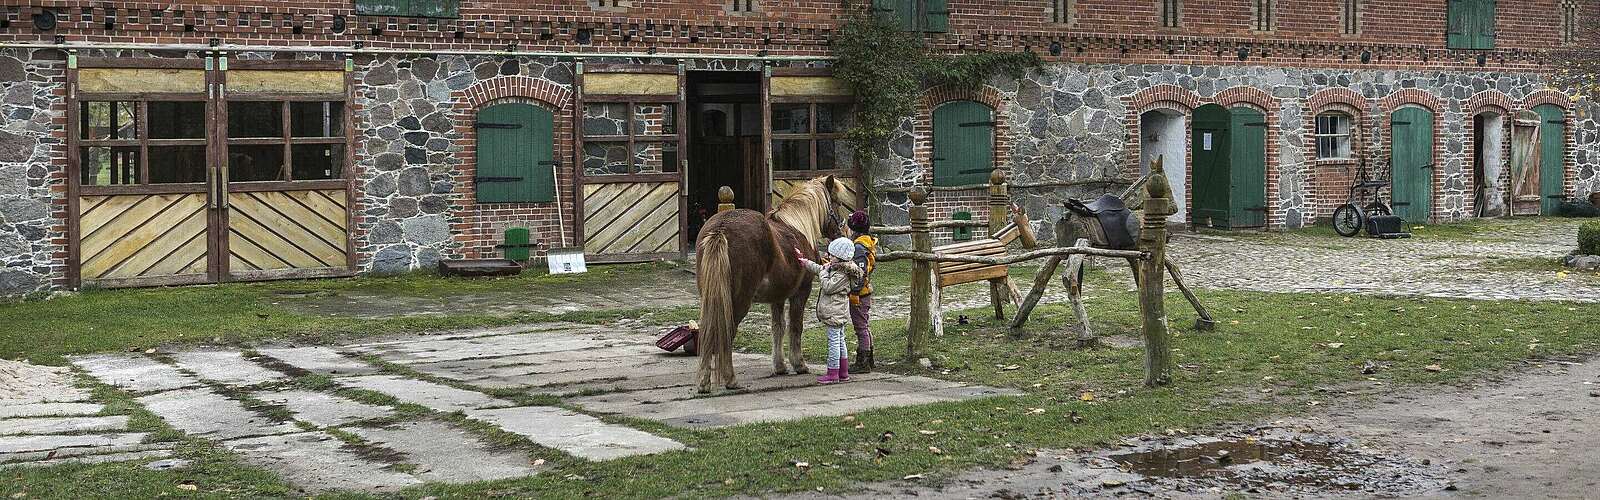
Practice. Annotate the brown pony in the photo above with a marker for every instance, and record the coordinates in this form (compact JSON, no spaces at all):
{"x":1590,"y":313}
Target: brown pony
{"x":745,"y":257}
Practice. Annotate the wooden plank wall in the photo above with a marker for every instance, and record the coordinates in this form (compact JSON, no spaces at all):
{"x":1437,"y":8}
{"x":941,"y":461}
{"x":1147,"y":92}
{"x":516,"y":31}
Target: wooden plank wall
{"x":286,"y":230}
{"x":136,"y":236}
{"x":627,"y":218}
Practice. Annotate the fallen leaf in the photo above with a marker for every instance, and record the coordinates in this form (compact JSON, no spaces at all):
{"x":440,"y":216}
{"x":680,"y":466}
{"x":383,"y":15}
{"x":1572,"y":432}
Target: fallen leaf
{"x":19,"y":494}
{"x":1035,"y":411}
{"x":849,"y":418}
{"x":1433,"y":368}
{"x":188,"y":487}
{"x":926,"y":432}
{"x":728,"y":481}
{"x":1087,"y":396}
{"x":538,"y":462}
{"x":802,"y":465}
{"x":1011,"y":367}
{"x":1335,"y":345}
{"x":911,"y":477}
{"x":936,"y":421}
{"x":935,"y":450}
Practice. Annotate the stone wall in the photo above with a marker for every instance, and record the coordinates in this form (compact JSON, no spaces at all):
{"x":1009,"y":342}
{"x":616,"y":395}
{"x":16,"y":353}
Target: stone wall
{"x":1070,"y":122}
{"x":32,"y":229}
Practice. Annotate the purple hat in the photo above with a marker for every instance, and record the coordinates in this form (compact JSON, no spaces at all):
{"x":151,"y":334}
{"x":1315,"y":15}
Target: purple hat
{"x":858,"y":222}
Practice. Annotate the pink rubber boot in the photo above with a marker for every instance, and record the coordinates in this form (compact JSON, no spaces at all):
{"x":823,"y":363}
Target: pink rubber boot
{"x":844,"y":370}
{"x":831,"y":378}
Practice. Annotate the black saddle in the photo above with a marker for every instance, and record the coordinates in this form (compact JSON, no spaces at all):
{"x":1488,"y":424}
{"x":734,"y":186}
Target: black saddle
{"x":1114,"y":218}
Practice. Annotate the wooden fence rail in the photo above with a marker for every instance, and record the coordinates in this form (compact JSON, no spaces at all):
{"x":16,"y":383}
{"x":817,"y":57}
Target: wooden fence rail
{"x":892,"y":255}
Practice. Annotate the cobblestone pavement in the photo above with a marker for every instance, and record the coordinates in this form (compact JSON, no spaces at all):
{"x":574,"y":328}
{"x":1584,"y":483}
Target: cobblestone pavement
{"x":1499,"y":262}
{"x":241,"y":399}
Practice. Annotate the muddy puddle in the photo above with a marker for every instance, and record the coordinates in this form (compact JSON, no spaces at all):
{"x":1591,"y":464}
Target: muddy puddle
{"x":1267,"y":461}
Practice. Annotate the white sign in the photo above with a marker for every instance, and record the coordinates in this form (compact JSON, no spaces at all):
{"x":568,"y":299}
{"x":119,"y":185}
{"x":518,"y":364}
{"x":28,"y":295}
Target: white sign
{"x":1206,"y":139}
{"x":566,"y":262}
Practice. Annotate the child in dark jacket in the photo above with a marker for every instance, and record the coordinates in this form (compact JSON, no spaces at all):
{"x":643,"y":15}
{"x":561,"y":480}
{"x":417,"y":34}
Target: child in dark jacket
{"x":861,"y":297}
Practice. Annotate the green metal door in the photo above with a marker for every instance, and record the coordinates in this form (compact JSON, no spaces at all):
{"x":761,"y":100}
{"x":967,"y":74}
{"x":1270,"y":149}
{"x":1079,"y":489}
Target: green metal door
{"x":1552,"y":157}
{"x":1411,"y":163}
{"x":1247,"y":193}
{"x":963,"y":143}
{"x":514,"y":162}
{"x":1210,"y":182}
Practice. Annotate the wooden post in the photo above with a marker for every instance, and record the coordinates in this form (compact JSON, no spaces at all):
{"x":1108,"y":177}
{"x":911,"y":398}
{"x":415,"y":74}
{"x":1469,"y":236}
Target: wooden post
{"x":999,"y":214}
{"x":922,"y":285}
{"x":725,"y":199}
{"x":1153,"y":240}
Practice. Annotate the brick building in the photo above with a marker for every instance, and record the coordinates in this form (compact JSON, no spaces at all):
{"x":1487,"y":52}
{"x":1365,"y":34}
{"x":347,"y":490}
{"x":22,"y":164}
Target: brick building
{"x":147,"y":143}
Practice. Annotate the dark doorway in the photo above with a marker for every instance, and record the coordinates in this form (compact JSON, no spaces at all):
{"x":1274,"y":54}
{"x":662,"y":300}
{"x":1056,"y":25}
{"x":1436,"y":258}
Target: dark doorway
{"x":725,"y":131}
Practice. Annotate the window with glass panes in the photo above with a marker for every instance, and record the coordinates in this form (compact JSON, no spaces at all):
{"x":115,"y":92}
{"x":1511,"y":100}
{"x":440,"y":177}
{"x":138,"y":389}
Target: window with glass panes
{"x":1333,"y":136}
{"x":141,"y":142}
{"x":810,"y":136}
{"x":273,"y":140}
{"x":629,"y":137}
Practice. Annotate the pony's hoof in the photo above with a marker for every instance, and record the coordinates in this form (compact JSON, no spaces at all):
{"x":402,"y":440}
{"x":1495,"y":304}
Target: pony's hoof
{"x":780,"y":372}
{"x":802,"y":369}
{"x":704,"y":390}
{"x":733,"y":386}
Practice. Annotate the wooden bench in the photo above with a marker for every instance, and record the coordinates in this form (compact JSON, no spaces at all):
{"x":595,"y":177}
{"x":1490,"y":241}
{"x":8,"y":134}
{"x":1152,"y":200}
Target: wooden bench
{"x":1001,"y":289}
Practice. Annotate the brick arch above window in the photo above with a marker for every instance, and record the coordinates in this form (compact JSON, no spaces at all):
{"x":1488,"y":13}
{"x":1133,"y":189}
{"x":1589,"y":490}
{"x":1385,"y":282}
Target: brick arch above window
{"x":1489,"y":100}
{"x":1547,"y":96}
{"x":934,"y":97}
{"x":550,"y":93}
{"x":1337,"y":95}
{"x":1148,"y":99}
{"x":1411,"y":96}
{"x":1255,"y":97}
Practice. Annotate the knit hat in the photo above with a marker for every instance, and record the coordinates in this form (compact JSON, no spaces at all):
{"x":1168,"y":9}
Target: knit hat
{"x":842,"y":249}
{"x":858,"y":222}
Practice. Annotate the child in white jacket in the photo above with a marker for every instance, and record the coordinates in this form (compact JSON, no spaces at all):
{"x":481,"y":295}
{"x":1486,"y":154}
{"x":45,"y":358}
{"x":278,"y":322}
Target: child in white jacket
{"x":836,"y":278}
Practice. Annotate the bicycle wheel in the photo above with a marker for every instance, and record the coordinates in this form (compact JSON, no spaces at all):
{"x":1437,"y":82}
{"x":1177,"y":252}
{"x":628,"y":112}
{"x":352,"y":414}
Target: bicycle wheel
{"x":1347,"y":220}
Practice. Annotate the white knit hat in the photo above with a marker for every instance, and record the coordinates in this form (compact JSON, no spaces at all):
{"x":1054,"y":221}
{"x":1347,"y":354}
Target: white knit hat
{"x":842,"y":249}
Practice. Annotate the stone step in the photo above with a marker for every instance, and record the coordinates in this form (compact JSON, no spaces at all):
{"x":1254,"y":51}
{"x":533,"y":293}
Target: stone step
{"x":22,"y":444}
{"x":686,"y":390}
{"x":437,"y":397}
{"x":203,"y":413}
{"x":322,"y":409}
{"x":788,"y":398}
{"x":468,"y":365}
{"x":317,"y":462}
{"x":322,"y":360}
{"x":444,"y":453}
{"x":61,"y":425}
{"x":486,"y":347}
{"x":132,"y":372}
{"x":576,"y":434}
{"x":93,"y":459}
{"x":830,"y":408}
{"x":50,"y":410}
{"x":227,"y":367}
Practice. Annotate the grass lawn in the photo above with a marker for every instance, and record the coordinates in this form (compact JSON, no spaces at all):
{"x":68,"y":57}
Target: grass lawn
{"x":240,"y":313}
{"x":1271,"y":354}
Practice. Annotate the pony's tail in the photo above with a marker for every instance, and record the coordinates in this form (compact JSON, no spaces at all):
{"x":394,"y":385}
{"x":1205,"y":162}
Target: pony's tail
{"x":714,"y":278}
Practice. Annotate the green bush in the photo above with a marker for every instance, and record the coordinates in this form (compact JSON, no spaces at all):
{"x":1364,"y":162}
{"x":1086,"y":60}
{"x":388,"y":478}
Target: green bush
{"x":1589,"y":238}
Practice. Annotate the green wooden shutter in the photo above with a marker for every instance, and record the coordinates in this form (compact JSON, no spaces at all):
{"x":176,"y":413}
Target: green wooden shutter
{"x":515,"y":160}
{"x":902,"y":13}
{"x":963,"y":143}
{"x":1411,"y":161}
{"x":1210,"y":146}
{"x":936,"y":16}
{"x":1247,"y":192}
{"x":409,"y":8}
{"x":1552,"y":157}
{"x":1470,"y":24}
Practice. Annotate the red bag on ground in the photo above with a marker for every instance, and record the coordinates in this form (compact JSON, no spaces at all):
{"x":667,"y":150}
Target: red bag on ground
{"x":683,"y":336}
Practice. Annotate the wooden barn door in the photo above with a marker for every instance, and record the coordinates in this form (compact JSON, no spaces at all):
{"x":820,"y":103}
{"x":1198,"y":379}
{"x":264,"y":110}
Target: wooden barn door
{"x":1211,"y":146}
{"x":1411,"y":161}
{"x":284,"y":189}
{"x":631,"y":169}
{"x":140,"y":144}
{"x":1247,"y":187}
{"x":1552,"y":157}
{"x":808,"y":112}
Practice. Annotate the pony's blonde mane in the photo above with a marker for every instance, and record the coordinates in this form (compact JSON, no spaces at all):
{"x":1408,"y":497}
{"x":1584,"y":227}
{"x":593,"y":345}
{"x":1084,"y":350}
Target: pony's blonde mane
{"x":805,"y":209}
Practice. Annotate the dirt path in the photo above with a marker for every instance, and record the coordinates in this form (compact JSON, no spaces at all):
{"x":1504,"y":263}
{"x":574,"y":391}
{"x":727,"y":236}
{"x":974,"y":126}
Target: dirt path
{"x":1530,"y":435}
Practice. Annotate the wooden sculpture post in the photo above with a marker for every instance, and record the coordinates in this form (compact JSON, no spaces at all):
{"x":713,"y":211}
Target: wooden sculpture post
{"x":1153,"y":240}
{"x":922,"y":317}
{"x":724,"y":199}
{"x":999,"y":214}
